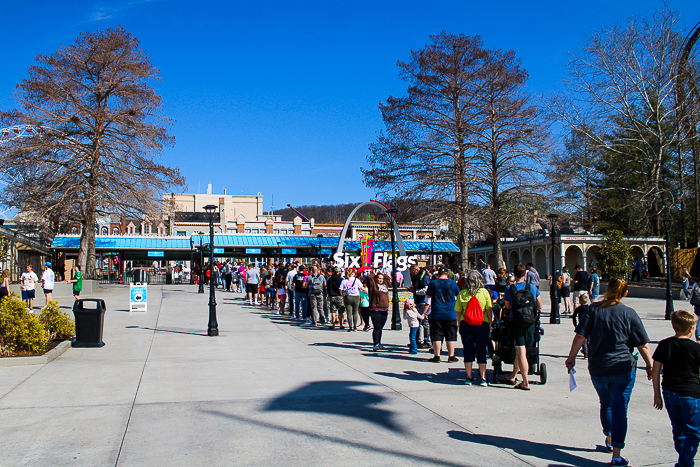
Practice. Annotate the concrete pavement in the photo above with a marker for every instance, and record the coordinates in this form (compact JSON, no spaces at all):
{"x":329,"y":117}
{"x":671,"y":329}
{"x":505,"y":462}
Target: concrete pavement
{"x":268,"y":391}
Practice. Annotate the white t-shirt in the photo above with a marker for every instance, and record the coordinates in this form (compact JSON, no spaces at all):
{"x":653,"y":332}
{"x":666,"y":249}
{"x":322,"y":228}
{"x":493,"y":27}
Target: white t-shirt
{"x":48,"y":277}
{"x":29,"y":280}
{"x":351,"y":287}
{"x":489,"y":276}
{"x":290,"y":276}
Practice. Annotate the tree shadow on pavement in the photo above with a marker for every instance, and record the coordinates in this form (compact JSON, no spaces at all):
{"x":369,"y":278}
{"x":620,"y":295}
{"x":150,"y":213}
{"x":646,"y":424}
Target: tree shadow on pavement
{"x":552,"y":452}
{"x":452,"y":377}
{"x":314,"y":397}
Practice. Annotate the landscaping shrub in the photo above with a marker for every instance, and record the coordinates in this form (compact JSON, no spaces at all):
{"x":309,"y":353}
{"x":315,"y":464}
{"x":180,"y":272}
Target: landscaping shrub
{"x":58,"y":324}
{"x":20,"y":331}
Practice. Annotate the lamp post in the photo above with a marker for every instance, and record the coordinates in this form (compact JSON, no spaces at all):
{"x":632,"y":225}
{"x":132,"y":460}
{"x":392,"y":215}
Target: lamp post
{"x":432,"y":249}
{"x":395,"y":316}
{"x":201,"y":263}
{"x":213,"y":328}
{"x":319,"y":236}
{"x":279,"y":252}
{"x":669,"y":297}
{"x":554,"y":292}
{"x":191,"y":260}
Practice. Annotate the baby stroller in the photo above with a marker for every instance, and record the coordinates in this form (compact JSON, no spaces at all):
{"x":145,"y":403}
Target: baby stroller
{"x":504,"y":350}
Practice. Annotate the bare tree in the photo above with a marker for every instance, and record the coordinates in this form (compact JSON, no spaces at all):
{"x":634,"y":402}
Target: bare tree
{"x":621,"y":99}
{"x":465,"y":127}
{"x":98,"y":126}
{"x":511,"y":145}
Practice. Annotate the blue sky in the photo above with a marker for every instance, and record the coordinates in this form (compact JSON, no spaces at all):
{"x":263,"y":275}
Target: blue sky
{"x":282,"y":97}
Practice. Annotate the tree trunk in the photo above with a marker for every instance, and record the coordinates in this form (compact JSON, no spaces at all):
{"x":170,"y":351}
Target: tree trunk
{"x":681,"y":191}
{"x":464,"y":240}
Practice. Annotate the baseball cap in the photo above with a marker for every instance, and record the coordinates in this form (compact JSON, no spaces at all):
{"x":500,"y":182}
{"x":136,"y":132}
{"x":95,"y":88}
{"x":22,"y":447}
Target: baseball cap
{"x":47,"y":264}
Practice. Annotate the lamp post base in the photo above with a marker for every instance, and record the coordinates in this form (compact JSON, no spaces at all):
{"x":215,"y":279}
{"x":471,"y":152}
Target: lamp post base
{"x":213,"y":332}
{"x":669,"y":308}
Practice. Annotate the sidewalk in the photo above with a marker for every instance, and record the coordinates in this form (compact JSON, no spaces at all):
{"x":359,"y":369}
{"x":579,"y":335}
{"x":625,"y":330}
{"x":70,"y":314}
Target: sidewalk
{"x":267,"y":391}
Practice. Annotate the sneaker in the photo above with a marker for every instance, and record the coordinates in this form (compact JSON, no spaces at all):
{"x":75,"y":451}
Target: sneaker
{"x":380,"y":346}
{"x":469,"y":381}
{"x":483,"y":383}
{"x":424,"y":345}
{"x":452,"y":359}
{"x":619,"y":461}
{"x":412,"y":353}
{"x":608,"y":446}
{"x":434,"y":360}
{"x":375,"y":348}
{"x":308,"y":320}
{"x":367,"y":328}
{"x":342,"y":327}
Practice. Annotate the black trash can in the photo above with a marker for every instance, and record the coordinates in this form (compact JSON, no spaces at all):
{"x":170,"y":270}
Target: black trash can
{"x":137,"y":275}
{"x":89,"y":322}
{"x":168,"y":277}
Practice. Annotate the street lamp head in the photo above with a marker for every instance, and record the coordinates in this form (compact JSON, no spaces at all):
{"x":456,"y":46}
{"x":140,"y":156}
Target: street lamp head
{"x":553,"y":217}
{"x":319,"y":235}
{"x":392,"y":211}
{"x":210,"y":208}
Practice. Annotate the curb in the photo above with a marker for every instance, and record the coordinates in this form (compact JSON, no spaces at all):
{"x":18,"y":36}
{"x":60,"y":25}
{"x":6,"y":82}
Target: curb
{"x":49,"y":356}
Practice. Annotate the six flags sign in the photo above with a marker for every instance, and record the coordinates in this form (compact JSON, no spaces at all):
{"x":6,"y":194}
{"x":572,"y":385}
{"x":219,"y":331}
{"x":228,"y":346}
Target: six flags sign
{"x":368,"y":257}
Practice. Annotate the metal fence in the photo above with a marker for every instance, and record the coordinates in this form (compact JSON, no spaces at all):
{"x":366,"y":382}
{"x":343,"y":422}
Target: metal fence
{"x":139,"y":275}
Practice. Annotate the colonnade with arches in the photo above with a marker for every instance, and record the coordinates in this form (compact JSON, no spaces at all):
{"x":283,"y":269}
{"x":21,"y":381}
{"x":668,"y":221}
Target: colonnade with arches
{"x":577,"y":249}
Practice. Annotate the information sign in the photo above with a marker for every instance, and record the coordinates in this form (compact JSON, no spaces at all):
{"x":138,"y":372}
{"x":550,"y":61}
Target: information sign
{"x":218,"y":251}
{"x":138,"y":297}
{"x":156,"y":253}
{"x":289,"y":251}
{"x":252,"y":251}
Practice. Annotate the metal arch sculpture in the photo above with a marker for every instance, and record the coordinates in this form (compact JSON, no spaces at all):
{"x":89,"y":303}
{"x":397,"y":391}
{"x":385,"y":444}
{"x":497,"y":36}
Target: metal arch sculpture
{"x":372,"y":202}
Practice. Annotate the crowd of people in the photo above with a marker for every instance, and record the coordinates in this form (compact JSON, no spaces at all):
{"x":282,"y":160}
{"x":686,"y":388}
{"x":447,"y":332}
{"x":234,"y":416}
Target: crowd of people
{"x":439,"y":309}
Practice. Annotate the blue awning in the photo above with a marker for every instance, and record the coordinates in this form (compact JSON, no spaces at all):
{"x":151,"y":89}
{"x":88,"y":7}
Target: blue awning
{"x":124,"y":243}
{"x":232,"y":240}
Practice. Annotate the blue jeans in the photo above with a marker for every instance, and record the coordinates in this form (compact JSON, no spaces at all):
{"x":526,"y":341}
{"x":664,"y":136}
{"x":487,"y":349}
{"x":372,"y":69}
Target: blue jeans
{"x":290,"y":300}
{"x":614,"y":393}
{"x":300,"y":302}
{"x":684,"y":413}
{"x":412,"y":334}
{"x":697,"y":312}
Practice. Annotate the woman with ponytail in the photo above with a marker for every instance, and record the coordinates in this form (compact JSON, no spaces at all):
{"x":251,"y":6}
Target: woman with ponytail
{"x":614,"y":331}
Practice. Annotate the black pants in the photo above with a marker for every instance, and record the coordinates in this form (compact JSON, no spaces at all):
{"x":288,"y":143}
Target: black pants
{"x":364,"y":311}
{"x":378,"y":321}
{"x":229,"y":278}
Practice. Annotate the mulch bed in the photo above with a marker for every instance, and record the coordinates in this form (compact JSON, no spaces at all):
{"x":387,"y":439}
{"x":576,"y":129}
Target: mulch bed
{"x":49,"y":346}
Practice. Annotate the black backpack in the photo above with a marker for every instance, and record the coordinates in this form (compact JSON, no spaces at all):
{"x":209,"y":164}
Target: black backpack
{"x":523,"y":306}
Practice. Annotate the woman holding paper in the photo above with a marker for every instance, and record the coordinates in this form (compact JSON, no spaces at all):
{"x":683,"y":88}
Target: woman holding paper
{"x":613,"y":330}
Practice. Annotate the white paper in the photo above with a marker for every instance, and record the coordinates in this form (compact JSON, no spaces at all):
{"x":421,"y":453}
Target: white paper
{"x":572,"y":380}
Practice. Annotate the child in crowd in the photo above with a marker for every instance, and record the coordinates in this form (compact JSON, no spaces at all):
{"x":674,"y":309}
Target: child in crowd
{"x":414,"y":318}
{"x":679,"y":356}
{"x":578,"y":313}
